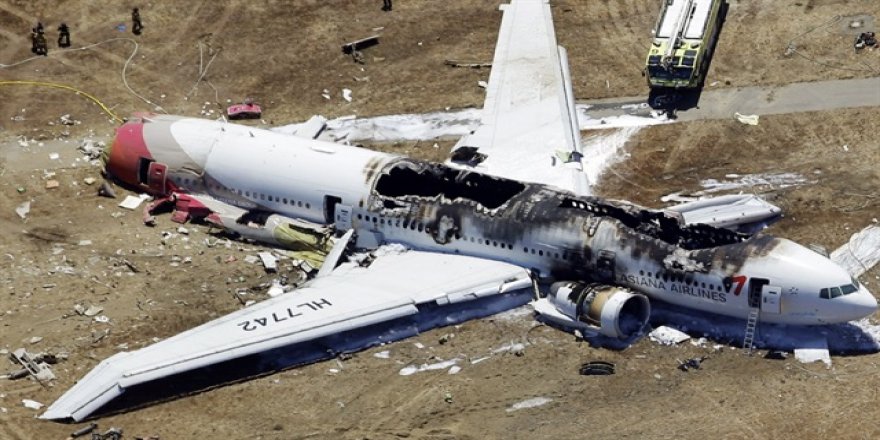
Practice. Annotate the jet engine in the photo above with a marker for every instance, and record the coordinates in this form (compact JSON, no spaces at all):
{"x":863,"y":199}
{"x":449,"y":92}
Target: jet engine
{"x":615,"y":311}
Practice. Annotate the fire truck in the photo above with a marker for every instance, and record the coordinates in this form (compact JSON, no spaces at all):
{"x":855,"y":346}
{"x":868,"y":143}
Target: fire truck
{"x":684,"y":38}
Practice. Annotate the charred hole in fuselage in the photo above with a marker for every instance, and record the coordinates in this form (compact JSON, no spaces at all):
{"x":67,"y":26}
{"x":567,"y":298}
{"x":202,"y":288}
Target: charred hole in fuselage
{"x":407,"y":179}
{"x":658,"y":225}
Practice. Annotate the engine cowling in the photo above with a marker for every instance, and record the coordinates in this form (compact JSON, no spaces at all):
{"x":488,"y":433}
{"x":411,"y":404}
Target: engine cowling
{"x":614,"y":311}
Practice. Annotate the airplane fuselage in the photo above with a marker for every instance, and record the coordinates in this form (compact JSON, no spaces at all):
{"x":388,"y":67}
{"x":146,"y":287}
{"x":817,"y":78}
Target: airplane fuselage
{"x":434,"y":207}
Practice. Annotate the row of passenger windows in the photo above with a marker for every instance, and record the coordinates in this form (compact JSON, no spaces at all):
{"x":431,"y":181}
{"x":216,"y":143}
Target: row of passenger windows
{"x":479,"y":240}
{"x":249,"y":194}
{"x":680,"y":278}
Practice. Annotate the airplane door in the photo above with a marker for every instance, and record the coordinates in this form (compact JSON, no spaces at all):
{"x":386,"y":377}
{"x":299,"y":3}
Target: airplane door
{"x":156,"y":177}
{"x":771,"y":299}
{"x":343,"y":217}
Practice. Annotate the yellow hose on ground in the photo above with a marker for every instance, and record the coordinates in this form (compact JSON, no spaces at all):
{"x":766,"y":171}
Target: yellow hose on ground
{"x":66,"y":87}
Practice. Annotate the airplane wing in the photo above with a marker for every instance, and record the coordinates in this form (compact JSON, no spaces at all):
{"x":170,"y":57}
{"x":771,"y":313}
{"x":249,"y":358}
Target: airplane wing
{"x":529,"y":129}
{"x":398,"y":295}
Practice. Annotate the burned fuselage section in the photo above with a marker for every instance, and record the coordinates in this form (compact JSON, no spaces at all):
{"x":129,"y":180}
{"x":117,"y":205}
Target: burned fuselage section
{"x":559,"y":235}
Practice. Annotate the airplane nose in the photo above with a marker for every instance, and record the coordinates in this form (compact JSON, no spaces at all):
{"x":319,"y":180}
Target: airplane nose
{"x":123,"y":157}
{"x":865,"y":301}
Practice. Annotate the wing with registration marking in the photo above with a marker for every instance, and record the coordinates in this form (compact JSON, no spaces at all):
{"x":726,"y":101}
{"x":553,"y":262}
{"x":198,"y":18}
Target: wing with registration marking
{"x":400,"y":294}
{"x":529,"y":129}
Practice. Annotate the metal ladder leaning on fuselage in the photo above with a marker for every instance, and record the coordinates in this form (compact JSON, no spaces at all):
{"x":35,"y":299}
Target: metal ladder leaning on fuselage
{"x":751,"y":329}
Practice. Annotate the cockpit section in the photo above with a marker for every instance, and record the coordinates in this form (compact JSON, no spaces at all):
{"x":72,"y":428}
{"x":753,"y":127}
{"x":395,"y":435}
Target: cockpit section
{"x":834,"y":292}
{"x":421,"y":179}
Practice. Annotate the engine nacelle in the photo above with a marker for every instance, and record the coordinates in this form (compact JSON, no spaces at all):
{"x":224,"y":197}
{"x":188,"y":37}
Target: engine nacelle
{"x":614,"y":311}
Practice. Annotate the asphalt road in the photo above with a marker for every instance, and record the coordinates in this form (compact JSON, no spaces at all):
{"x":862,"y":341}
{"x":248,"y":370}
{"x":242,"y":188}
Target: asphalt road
{"x":764,"y":100}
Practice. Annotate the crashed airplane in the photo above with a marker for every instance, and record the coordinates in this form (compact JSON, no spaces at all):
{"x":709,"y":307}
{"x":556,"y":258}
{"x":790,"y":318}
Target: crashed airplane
{"x":483,"y":234}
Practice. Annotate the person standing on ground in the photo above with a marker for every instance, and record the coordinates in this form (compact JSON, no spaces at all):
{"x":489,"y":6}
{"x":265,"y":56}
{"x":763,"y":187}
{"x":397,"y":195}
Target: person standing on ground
{"x":63,"y":35}
{"x":41,"y":47}
{"x":386,"y":5}
{"x":136,"y":26}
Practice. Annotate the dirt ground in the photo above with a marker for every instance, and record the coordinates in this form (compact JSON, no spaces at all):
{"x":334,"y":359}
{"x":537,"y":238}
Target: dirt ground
{"x":78,"y":248}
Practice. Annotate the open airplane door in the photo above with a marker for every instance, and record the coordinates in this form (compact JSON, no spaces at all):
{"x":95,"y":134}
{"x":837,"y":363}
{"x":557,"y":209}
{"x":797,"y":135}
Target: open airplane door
{"x":771,"y":299}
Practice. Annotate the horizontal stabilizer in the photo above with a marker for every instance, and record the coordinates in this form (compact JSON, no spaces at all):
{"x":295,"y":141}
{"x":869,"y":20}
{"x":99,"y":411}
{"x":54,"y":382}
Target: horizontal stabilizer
{"x":739,"y":212}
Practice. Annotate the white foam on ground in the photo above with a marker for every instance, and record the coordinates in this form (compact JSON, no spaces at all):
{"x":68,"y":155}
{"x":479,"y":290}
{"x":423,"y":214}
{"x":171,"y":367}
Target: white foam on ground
{"x":529,"y":403}
{"x":413,"y":369}
{"x":861,"y":253}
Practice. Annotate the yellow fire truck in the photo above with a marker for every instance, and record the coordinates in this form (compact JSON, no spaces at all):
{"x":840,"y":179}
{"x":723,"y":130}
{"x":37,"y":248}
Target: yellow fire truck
{"x":683,"y":41}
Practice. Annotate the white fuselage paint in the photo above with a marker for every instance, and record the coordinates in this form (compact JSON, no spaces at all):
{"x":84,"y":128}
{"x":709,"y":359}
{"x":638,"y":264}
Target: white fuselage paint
{"x":254,"y":168}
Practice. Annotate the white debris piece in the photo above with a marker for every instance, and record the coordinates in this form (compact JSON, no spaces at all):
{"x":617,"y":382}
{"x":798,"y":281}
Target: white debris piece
{"x":814,"y":350}
{"x":102,"y":319}
{"x":270,"y":262}
{"x":84,"y":243}
{"x":454,"y":369}
{"x":23,"y":209}
{"x":275,"y":289}
{"x":251,"y":259}
{"x":668,"y":336}
{"x":35,"y":339}
{"x":413,"y":369}
{"x":93,"y":311}
{"x":32,"y":404}
{"x":746,"y":119}
{"x":132,"y":202}
{"x":482,"y":84}
{"x":54,"y":156}
{"x":346,"y":94}
{"x":385,"y":354}
{"x":529,"y":403}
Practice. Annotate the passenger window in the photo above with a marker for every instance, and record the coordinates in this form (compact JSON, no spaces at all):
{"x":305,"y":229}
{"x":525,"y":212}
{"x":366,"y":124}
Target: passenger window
{"x":824,"y":294}
{"x":835,"y":292}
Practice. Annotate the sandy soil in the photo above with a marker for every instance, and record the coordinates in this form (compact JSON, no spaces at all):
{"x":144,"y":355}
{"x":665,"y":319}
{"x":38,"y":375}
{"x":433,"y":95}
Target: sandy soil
{"x":155,"y":282}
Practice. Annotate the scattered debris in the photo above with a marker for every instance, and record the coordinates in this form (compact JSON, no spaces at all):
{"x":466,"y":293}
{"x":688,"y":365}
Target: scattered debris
{"x":54,"y":156}
{"x":35,"y":339}
{"x":454,"y":369}
{"x":412,"y":369}
{"x":23,"y":209}
{"x":84,"y":430}
{"x":107,"y":191}
{"x":482,"y":84}
{"x":251,"y":259}
{"x":132,"y":202}
{"x":346,"y":94}
{"x":668,"y":336}
{"x":246,"y":110}
{"x":270,"y":262}
{"x":93,"y":311}
{"x":52,"y":184}
{"x":596,"y":368}
{"x":33,"y":365}
{"x":32,"y":404}
{"x":692,"y":363}
{"x":89,"y":180}
{"x":776,"y":355}
{"x":385,"y":354}
{"x":471,"y":64}
{"x":358,"y":45}
{"x":866,"y":39}
{"x":746,"y":119}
